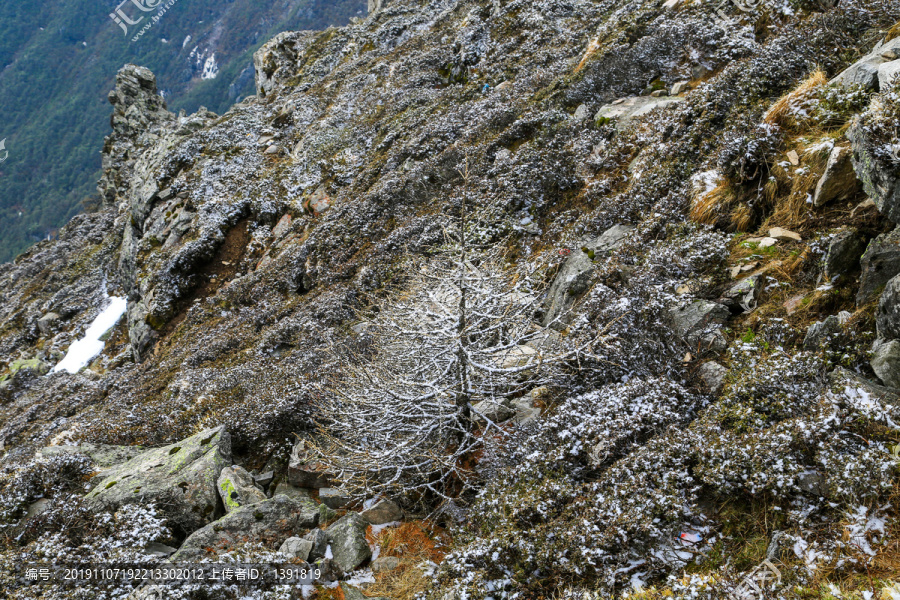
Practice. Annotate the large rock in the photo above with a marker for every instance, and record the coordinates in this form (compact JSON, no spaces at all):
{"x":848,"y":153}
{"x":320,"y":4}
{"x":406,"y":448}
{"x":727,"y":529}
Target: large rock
{"x":349,"y":547}
{"x":699,"y":324}
{"x":268,"y":523}
{"x":237,"y":488}
{"x":576,"y":275}
{"x":879,"y":174}
{"x":305,"y":470}
{"x":180,"y":479}
{"x":865,"y":71}
{"x":844,"y":252}
{"x":886,"y":363}
{"x":880,"y":264}
{"x":820,"y":332}
{"x":624,"y":111}
{"x":295,"y":547}
{"x":887,"y":318}
{"x":839,"y":180}
{"x":319,"y":540}
{"x":333,"y":498}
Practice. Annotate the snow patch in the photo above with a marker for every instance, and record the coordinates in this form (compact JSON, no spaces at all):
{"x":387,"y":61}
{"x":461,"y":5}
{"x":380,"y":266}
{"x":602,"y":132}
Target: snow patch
{"x":84,"y":350}
{"x":210,"y":68}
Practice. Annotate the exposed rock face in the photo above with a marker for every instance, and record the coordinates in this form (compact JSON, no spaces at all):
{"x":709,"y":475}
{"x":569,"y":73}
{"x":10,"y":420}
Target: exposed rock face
{"x":347,"y":537}
{"x":839,"y":180}
{"x":879,"y":176}
{"x":575,"y":276}
{"x":626,"y":110}
{"x":880,"y":263}
{"x":888,"y":316}
{"x":179,"y":478}
{"x":237,"y":488}
{"x":844,"y":252}
{"x":865,"y":71}
{"x":269,"y":523}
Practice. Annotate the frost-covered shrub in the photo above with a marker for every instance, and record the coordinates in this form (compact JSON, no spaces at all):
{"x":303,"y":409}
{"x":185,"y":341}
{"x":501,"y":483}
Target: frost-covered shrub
{"x":745,"y":155}
{"x":40,"y":479}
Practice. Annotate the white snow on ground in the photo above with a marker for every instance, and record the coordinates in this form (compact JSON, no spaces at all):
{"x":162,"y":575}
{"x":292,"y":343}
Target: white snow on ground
{"x":210,"y":68}
{"x":84,"y":350}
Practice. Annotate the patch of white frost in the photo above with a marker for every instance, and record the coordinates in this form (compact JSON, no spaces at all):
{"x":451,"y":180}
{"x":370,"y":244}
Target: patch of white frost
{"x":210,"y":68}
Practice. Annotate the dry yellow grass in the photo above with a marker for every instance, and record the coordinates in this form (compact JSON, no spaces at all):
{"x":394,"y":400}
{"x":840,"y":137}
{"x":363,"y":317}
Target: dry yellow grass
{"x":783,"y":112}
{"x":413,"y":543}
{"x":711,"y":207}
{"x":893,"y":32}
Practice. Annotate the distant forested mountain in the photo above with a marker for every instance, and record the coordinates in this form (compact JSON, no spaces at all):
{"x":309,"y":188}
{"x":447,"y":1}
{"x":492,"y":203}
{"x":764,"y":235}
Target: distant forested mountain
{"x":58,"y":60}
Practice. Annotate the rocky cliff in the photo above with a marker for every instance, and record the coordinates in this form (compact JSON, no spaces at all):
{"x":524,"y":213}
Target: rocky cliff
{"x":709,"y":193}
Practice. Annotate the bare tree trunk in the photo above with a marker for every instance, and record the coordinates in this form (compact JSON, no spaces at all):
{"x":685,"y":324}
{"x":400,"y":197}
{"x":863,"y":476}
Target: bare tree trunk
{"x":462,"y":396}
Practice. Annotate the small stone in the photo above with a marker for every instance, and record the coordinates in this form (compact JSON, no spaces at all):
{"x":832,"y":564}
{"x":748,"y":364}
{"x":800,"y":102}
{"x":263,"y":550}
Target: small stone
{"x":273,"y":149}
{"x":305,"y":469}
{"x":493,"y":410}
{"x":680,"y":87}
{"x":743,"y":296}
{"x":264,"y":479}
{"x":384,"y":511}
{"x":784,"y":235}
{"x":285,"y":489}
{"x":295,"y":547}
{"x":659,"y":93}
{"x":383,"y":564}
{"x":839,"y":180}
{"x":581,"y":113}
{"x":793,"y":157}
{"x":886,"y":363}
{"x":161,"y":550}
{"x":333,"y":498}
{"x":713,"y":376}
{"x":700,"y":71}
{"x":767,"y":242}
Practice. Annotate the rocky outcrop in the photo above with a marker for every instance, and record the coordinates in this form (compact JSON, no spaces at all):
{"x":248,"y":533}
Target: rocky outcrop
{"x":865,"y":72}
{"x":268,"y":523}
{"x":887,"y":318}
{"x":844,"y":252}
{"x":575,"y":276}
{"x":625,"y":110}
{"x":179,"y":478}
{"x":877,"y":172}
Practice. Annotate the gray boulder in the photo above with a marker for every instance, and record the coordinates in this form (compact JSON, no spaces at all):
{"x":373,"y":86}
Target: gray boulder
{"x":237,"y":488}
{"x":179,"y":478}
{"x":880,"y":264}
{"x":699,"y":324}
{"x":383,"y":511}
{"x":319,"y":541}
{"x":844,"y":252}
{"x":887,"y":318}
{"x":820,"y":332}
{"x":865,"y":71}
{"x":295,"y":547}
{"x":286,"y":489}
{"x":333,"y":498}
{"x":886,"y":363}
{"x":624,"y":111}
{"x":305,"y":469}
{"x":267,"y":523}
{"x":713,"y":376}
{"x":349,"y":547}
{"x":576,"y":275}
{"x":839,"y":180}
{"x":48,"y":322}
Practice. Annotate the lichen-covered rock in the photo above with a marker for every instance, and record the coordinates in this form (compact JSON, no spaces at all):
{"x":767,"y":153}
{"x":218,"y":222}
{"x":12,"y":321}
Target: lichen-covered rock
{"x":237,"y":488}
{"x":347,"y":537}
{"x":880,"y":263}
{"x":268,"y":523}
{"x":180,"y":478}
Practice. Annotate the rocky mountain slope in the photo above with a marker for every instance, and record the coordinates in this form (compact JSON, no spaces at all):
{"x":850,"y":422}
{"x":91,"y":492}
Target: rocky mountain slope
{"x":58,"y":60}
{"x":704,"y":201}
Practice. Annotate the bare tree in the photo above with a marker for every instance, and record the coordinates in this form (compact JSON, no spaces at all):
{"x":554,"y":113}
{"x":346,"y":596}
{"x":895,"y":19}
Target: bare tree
{"x":409,"y":415}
